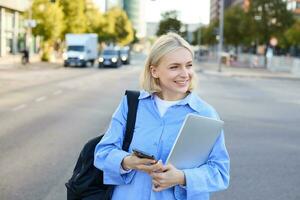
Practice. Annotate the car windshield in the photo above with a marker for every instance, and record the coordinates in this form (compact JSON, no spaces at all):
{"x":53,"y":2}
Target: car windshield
{"x":76,"y":48}
{"x":124,"y":52}
{"x":110,"y":52}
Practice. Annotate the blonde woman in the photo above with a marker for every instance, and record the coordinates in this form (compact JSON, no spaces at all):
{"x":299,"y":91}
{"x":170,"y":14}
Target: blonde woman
{"x":167,"y":97}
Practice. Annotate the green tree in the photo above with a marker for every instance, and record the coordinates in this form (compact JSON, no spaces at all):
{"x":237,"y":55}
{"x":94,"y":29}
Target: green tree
{"x":293,"y":34}
{"x":207,"y":34}
{"x":94,"y":18}
{"x":49,"y":19}
{"x":237,"y":27}
{"x":169,"y":23}
{"x":74,"y":16}
{"x":118,"y":28}
{"x":270,"y":18}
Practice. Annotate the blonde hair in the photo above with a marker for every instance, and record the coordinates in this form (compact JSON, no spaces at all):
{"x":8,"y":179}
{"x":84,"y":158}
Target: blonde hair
{"x":162,"y":46}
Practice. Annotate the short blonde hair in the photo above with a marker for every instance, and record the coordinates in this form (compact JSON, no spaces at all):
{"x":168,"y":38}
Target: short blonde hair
{"x":162,"y":46}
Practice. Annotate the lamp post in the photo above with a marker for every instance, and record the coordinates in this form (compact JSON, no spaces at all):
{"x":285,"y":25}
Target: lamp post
{"x":221,"y":32}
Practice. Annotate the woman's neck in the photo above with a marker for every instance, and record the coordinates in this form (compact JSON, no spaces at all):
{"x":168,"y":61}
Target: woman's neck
{"x":168,"y":97}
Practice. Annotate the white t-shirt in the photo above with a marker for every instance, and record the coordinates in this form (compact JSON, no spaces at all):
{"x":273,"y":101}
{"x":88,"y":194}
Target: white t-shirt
{"x":163,"y":105}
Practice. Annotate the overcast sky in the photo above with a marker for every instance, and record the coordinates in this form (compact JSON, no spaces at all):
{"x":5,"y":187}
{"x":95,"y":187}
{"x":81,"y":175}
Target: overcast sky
{"x":190,"y":11}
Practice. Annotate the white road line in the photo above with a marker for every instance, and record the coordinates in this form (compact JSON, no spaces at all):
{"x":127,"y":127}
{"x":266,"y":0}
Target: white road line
{"x":19,"y":107}
{"x":57,"y":92}
{"x":40,"y":99}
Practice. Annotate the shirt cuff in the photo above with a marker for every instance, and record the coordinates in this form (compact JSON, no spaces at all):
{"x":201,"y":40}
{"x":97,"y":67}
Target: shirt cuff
{"x":111,"y":170}
{"x":180,"y":192}
{"x":123,"y":171}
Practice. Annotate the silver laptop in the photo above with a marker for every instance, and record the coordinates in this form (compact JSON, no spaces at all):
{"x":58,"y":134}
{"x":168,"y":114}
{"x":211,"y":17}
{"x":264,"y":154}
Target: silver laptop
{"x":195,"y":141}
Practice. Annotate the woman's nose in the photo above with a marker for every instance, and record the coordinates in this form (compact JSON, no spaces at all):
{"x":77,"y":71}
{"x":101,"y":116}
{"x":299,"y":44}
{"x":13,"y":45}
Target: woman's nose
{"x":184,"y":72}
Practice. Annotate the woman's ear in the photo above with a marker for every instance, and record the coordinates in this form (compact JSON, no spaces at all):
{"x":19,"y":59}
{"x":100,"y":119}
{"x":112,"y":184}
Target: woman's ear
{"x":153,"y":71}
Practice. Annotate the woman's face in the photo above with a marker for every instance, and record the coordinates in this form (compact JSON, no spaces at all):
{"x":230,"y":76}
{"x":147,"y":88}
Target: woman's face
{"x":175,"y":73}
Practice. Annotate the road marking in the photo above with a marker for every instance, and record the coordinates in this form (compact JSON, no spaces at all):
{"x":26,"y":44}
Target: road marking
{"x":57,"y":92}
{"x":19,"y":107}
{"x":40,"y":99}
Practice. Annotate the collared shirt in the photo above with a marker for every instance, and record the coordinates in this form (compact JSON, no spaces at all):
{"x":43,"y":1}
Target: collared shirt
{"x":155,"y":135}
{"x":163,"y":105}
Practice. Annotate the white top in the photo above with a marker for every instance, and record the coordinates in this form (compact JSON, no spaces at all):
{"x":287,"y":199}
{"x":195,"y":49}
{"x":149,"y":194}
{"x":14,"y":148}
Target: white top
{"x":163,"y":105}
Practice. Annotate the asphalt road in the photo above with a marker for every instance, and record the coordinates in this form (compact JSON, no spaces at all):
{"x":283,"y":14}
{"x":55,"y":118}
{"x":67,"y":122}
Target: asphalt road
{"x":43,"y":128}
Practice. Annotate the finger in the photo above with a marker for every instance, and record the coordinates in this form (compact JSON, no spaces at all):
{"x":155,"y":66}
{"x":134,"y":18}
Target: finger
{"x":155,"y":182}
{"x":145,"y":168}
{"x":158,"y":188}
{"x":158,"y":167}
{"x":157,"y":176}
{"x":146,"y":161}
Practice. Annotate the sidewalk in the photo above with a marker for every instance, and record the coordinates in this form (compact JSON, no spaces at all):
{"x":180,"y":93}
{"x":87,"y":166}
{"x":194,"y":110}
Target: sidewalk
{"x":14,"y":75}
{"x":211,"y":68}
{"x":13,"y":62}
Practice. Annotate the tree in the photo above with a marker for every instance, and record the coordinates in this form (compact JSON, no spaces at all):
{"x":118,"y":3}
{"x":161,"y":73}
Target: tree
{"x":170,"y":23}
{"x":49,"y":18}
{"x":94,"y":18}
{"x":293,"y":34}
{"x":74,"y":16}
{"x":118,"y":28}
{"x":237,"y":27}
{"x":207,"y":34}
{"x":270,"y":18}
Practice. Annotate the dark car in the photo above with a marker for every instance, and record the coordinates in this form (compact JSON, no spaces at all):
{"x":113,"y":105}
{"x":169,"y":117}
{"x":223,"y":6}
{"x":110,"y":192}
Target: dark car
{"x":110,"y":57}
{"x":125,"y":55}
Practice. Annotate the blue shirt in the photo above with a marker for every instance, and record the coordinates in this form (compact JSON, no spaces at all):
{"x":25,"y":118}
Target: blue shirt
{"x":155,"y":134}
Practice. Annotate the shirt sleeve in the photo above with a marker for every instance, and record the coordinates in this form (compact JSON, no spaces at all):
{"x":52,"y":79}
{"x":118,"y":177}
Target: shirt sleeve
{"x":209,"y":177}
{"x":108,"y":152}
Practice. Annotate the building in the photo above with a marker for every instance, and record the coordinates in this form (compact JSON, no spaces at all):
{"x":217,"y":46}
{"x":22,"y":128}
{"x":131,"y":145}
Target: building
{"x":134,"y":10}
{"x":294,"y":6}
{"x":243,"y":3}
{"x":215,"y":8}
{"x":12,"y":32}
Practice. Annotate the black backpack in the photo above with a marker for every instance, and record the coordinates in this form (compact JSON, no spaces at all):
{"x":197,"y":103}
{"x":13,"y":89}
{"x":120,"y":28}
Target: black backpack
{"x":87,"y":180}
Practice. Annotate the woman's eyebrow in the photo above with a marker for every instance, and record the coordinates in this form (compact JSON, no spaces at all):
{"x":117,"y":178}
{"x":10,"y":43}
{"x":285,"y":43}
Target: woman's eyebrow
{"x":175,"y":63}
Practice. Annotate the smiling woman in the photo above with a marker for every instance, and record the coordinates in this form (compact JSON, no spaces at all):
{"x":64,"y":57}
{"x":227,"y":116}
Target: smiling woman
{"x":168,"y":81}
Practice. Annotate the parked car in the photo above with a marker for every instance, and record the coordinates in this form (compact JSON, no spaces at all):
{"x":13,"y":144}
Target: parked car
{"x":110,"y":57}
{"x":125,"y":55}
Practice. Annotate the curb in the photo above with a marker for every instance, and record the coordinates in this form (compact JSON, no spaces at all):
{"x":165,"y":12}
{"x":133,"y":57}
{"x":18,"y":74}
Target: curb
{"x":230,"y":74}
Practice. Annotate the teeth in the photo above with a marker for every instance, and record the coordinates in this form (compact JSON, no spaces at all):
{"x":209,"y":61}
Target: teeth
{"x":181,"y":81}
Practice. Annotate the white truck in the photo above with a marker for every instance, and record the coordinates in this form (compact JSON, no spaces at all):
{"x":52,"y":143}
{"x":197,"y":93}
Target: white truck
{"x":82,"y":49}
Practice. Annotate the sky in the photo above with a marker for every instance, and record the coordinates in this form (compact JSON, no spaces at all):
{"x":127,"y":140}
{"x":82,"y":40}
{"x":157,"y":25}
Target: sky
{"x":190,"y":11}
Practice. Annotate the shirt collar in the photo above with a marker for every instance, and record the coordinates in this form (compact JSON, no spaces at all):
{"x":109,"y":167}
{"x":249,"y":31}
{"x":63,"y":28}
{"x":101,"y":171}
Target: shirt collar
{"x":191,"y":99}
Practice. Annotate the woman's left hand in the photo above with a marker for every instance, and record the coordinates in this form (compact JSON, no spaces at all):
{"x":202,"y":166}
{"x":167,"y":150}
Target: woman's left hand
{"x":167,"y":177}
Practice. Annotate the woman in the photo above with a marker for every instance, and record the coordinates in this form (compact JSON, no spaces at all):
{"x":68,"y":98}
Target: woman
{"x":168,"y":81}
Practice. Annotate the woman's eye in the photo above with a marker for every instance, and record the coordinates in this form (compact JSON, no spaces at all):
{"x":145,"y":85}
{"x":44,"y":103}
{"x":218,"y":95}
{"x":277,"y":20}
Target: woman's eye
{"x":189,"y":66}
{"x":173,"y":67}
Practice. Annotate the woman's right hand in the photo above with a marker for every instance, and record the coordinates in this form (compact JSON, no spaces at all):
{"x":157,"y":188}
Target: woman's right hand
{"x":143,"y":164}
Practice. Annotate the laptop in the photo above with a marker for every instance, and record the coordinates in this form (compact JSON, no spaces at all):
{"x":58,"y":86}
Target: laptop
{"x":195,"y":141}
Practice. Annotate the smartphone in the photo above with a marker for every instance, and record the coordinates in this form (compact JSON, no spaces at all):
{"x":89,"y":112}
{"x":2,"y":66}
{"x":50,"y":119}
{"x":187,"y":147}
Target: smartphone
{"x":142,"y":154}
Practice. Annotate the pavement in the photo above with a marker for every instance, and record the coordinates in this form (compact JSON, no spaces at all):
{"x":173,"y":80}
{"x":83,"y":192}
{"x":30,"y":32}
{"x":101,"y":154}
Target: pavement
{"x":211,"y":68}
{"x":14,"y":75}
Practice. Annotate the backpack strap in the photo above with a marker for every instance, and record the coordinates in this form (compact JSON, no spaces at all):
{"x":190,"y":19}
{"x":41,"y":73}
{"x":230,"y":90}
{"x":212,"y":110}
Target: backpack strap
{"x":132,"y":102}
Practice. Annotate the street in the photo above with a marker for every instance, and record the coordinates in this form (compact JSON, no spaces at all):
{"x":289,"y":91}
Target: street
{"x":44,"y":126}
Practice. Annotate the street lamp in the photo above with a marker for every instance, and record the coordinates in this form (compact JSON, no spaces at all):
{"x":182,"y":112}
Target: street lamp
{"x":221,"y":32}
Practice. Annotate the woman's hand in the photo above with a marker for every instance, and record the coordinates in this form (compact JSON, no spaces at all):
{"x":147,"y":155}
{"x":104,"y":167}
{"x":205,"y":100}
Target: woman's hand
{"x":167,"y":177}
{"x":143,"y":164}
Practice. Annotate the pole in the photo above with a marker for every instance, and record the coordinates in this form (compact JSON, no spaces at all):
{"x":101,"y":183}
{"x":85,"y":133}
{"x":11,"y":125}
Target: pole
{"x":199,"y":43}
{"x":221,"y":33}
